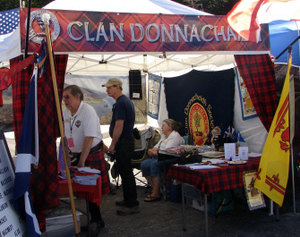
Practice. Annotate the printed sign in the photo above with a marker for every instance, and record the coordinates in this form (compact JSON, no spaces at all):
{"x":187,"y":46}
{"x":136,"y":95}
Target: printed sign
{"x":76,"y":31}
{"x":248,"y":110}
{"x":154,"y":87}
{"x":255,"y":197}
{"x":229,"y":149}
{"x":10,"y":223}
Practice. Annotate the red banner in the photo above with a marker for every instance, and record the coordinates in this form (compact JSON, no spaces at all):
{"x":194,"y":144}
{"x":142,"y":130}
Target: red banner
{"x":74,"y":31}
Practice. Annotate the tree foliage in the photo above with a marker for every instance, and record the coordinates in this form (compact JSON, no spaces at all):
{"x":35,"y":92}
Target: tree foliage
{"x":217,"y":7}
{"x":11,"y":4}
{"x":6,"y":5}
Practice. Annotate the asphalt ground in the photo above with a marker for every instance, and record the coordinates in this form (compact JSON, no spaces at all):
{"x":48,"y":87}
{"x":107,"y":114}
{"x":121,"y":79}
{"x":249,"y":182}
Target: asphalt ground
{"x":164,"y":218}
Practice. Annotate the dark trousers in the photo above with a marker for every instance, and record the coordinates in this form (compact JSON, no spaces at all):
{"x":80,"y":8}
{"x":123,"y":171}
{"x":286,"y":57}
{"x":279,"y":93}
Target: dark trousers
{"x":124,"y":152}
{"x":95,"y":212}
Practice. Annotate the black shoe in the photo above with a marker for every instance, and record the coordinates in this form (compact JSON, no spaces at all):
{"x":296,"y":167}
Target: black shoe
{"x":125,"y":211}
{"x":101,"y":224}
{"x":112,"y":191}
{"x":121,"y":203}
{"x":95,"y":227}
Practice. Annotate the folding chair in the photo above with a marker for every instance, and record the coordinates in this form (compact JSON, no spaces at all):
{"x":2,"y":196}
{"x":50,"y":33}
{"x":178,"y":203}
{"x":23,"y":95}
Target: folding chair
{"x":148,"y":138}
{"x":140,"y":151}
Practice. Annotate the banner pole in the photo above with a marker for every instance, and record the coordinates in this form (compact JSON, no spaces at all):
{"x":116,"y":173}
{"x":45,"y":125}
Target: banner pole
{"x":27,"y":29}
{"x":288,"y":47}
{"x":46,"y":19}
{"x":292,"y":130}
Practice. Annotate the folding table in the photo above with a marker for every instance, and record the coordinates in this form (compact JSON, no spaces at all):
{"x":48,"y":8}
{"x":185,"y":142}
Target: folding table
{"x":210,"y":180}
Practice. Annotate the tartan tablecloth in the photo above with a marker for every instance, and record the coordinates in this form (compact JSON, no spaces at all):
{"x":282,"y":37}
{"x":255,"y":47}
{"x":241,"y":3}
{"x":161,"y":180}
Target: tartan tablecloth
{"x":213,"y":180}
{"x":94,"y":191}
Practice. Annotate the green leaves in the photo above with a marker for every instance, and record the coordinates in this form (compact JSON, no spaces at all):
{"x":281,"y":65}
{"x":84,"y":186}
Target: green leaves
{"x":217,"y":7}
{"x":11,"y":4}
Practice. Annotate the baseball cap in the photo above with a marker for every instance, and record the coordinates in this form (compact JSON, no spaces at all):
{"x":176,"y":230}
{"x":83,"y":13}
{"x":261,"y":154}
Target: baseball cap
{"x":113,"y":82}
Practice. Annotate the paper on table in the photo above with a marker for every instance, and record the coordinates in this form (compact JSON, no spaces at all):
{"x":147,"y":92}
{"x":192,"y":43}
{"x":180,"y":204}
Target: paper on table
{"x":86,"y":180}
{"x":88,"y":170}
{"x":201,"y":167}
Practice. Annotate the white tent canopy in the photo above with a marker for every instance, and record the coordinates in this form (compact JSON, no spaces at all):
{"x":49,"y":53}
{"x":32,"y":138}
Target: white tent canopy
{"x":163,"y":63}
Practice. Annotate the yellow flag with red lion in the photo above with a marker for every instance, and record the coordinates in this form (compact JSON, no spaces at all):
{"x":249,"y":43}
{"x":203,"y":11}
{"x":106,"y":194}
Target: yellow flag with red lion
{"x":273,"y":171}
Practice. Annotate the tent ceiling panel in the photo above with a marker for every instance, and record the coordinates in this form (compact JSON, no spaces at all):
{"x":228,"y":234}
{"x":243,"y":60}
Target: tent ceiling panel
{"x":154,"y":63}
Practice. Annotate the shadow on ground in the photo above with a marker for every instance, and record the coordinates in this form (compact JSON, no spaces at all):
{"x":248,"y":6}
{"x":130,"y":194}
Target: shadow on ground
{"x":164,"y":218}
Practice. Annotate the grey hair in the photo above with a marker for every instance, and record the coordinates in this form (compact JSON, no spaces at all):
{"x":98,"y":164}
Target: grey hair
{"x":173,"y":124}
{"x":75,"y":90}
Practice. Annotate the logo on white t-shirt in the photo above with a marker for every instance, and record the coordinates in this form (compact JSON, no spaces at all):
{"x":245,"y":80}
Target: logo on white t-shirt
{"x":78,"y":123}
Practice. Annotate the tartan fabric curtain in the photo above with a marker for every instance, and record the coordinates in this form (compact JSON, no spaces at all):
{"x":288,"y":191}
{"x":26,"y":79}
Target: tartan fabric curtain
{"x":44,"y":184}
{"x":258,"y":74}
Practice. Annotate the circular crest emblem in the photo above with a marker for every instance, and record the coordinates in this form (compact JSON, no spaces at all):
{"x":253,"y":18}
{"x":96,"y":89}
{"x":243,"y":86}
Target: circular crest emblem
{"x":78,"y":123}
{"x":37,"y":26}
{"x":198,"y":120}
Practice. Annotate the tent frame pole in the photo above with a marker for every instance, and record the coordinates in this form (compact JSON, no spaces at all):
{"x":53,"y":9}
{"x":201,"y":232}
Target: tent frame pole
{"x":292,"y":129}
{"x":287,"y":48}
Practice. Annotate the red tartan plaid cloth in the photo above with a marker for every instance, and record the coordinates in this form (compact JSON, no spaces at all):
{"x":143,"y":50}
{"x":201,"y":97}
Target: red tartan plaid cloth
{"x":44,"y":183}
{"x":258,"y":74}
{"x":94,"y":191}
{"x":213,"y":180}
{"x":97,"y":161}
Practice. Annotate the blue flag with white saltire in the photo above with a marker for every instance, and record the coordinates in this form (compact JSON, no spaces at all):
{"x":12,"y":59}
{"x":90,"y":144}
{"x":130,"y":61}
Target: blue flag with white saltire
{"x":27,"y":154}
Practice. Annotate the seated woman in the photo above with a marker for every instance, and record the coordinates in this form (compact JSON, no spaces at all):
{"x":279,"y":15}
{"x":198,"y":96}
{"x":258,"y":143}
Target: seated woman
{"x":150,"y":167}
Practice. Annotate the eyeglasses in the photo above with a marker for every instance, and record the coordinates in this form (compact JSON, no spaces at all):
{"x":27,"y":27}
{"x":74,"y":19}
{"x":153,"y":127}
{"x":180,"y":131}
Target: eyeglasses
{"x":66,"y":97}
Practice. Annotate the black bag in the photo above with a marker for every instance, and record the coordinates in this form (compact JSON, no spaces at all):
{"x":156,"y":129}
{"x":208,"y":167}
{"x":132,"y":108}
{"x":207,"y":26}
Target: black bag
{"x":136,"y":134}
{"x":114,"y":171}
{"x":189,"y":158}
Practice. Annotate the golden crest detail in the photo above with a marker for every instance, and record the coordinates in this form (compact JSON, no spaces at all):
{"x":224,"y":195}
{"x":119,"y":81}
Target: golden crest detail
{"x":199,"y":119}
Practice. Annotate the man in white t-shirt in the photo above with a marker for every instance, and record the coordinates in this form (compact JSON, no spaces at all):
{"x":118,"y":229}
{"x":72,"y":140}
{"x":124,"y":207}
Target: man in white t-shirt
{"x":82,"y":130}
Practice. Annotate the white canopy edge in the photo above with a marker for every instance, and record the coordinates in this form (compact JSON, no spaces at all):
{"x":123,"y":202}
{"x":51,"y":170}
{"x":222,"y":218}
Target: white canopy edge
{"x":126,"y":6}
{"x":121,"y":63}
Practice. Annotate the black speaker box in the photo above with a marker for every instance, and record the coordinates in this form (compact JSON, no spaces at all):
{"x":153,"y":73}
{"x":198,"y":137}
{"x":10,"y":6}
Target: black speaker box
{"x":135,"y":85}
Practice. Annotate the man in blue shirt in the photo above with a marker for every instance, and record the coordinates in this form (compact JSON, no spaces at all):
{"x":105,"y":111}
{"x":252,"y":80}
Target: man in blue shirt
{"x":122,"y":144}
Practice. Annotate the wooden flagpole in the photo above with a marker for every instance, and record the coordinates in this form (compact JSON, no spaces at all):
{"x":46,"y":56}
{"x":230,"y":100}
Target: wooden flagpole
{"x":46,"y":19}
